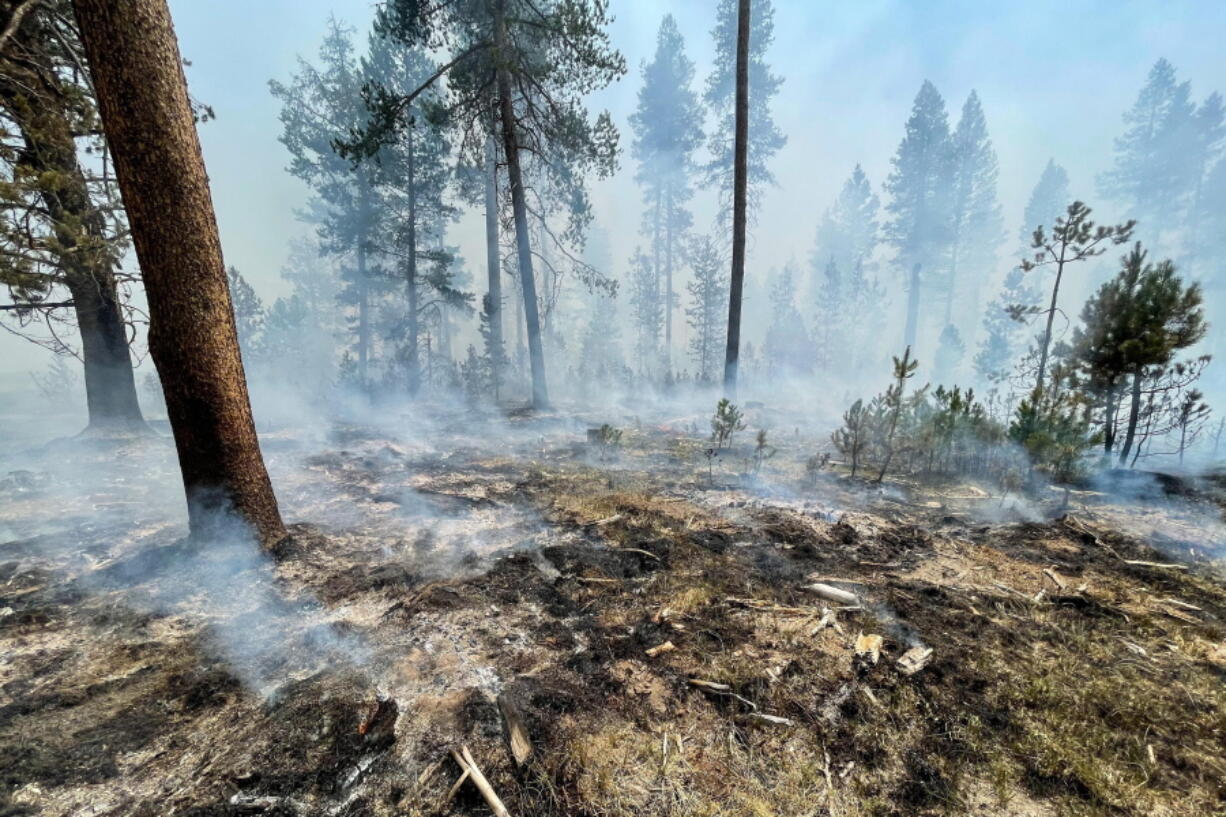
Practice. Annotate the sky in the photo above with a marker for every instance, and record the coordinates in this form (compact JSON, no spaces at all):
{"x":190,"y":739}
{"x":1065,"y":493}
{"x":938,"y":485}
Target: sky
{"x":1054,"y":77}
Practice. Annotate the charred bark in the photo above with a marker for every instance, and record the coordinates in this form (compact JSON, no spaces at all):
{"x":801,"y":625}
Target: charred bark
{"x":492,"y":263}
{"x":142,"y":97}
{"x":740,"y":180}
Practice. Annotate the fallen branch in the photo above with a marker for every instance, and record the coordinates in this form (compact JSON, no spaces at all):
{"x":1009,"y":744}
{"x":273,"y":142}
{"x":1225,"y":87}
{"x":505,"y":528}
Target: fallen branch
{"x":517,"y":732}
{"x":914,"y":660}
{"x":667,"y":646}
{"x":1055,"y":578}
{"x":834,"y":594}
{"x":468,"y":765}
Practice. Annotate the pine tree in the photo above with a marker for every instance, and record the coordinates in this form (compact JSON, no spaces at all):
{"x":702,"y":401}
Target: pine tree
{"x":1003,"y":335}
{"x":975,"y":219}
{"x":788,"y":346}
{"x":517,"y":70}
{"x":708,"y":308}
{"x":1134,"y":326}
{"x":64,"y":230}
{"x":137,"y":72}
{"x":350,"y":209}
{"x":919,"y":185}
{"x":1154,"y":157}
{"x":668,"y":129}
{"x":765,"y":138}
{"x":648,"y":315}
{"x":248,"y":310}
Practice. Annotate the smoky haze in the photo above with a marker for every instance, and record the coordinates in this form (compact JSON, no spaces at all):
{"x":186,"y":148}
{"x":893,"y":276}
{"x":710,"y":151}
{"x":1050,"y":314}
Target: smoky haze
{"x":1054,"y":79}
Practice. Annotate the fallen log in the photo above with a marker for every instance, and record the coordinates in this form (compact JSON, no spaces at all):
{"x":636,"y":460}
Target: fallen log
{"x":834,"y":594}
{"x":517,"y":733}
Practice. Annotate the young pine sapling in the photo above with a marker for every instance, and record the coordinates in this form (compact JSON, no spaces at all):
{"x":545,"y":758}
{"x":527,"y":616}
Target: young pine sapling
{"x":728,"y":420}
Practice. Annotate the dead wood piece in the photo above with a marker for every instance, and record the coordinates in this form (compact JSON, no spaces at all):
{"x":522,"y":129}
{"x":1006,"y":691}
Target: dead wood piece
{"x":1183,"y":604}
{"x":451,"y":793}
{"x":769,"y":607}
{"x":834,"y":594}
{"x":608,"y":520}
{"x":517,"y":732}
{"x":713,"y":686}
{"x":869,"y":647}
{"x":914,"y":660}
{"x":835,"y":579}
{"x":667,"y":646}
{"x":464,"y":759}
{"x":774,"y":720}
{"x":1055,"y":577}
{"x":639,"y":551}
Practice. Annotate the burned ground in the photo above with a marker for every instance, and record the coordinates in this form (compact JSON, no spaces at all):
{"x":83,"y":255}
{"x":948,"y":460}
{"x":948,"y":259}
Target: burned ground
{"x":651,"y":623}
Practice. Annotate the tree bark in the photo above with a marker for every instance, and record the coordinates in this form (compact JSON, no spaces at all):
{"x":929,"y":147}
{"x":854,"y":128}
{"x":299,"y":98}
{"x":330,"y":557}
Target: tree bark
{"x":1134,"y":413}
{"x":740,"y":179}
{"x":492,"y":263}
{"x":668,"y":282}
{"x":363,"y":284}
{"x":411,"y":284}
{"x":519,"y":207}
{"x":142,"y":97}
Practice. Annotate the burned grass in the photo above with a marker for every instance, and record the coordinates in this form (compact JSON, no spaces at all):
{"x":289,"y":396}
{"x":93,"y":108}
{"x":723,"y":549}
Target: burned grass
{"x":661,"y":644}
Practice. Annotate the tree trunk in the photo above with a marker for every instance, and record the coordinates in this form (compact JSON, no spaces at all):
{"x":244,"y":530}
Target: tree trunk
{"x":142,"y":97}
{"x":740,"y":181}
{"x":363,"y":305}
{"x":536,"y":354}
{"x":668,"y":282}
{"x":913,"y":302}
{"x":1045,"y":347}
{"x":1134,"y":413}
{"x":110,"y":386}
{"x":1109,"y":421}
{"x":411,"y":283}
{"x":492,"y":263}
{"x":82,"y":251}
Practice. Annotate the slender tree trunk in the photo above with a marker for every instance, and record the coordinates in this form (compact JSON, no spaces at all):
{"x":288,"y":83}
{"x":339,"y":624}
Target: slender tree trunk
{"x":913,"y":302}
{"x":1109,"y":421}
{"x":411,"y":283}
{"x":142,"y":97}
{"x":110,"y":386}
{"x":740,"y":181}
{"x":363,"y":311}
{"x":536,"y":354}
{"x":668,"y":282}
{"x":492,"y":263}
{"x":1134,"y":413}
{"x":1045,"y":347}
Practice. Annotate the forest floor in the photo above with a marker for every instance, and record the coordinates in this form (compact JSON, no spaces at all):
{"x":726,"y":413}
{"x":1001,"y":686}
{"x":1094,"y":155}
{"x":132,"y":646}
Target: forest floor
{"x":646,"y":623}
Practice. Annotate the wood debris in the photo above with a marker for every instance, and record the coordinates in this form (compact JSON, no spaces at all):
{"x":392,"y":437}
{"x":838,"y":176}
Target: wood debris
{"x":468,"y":765}
{"x":517,"y":733}
{"x":1050,"y":573}
{"x":667,"y":646}
{"x":834,"y":594}
{"x":774,"y":720}
{"x":869,"y":646}
{"x":914,"y":660}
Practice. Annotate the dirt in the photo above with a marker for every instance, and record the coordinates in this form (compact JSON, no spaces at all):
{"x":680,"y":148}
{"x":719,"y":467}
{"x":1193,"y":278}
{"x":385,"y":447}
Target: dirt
{"x":334,"y":677}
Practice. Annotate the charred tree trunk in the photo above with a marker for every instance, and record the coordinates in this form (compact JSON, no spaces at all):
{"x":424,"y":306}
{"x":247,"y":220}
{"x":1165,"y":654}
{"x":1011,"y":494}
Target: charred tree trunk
{"x":110,"y":386}
{"x":142,"y":97}
{"x":913,"y":301}
{"x":1134,"y":414}
{"x":740,"y":180}
{"x":519,"y":206}
{"x":492,"y":263}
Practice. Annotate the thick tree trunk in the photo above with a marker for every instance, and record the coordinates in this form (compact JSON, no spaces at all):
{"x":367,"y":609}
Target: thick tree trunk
{"x":1134,"y":413}
{"x":519,"y":207}
{"x":740,"y":180}
{"x":110,"y":386}
{"x":142,"y":97}
{"x":668,"y":282}
{"x":492,"y":263}
{"x":913,"y":302}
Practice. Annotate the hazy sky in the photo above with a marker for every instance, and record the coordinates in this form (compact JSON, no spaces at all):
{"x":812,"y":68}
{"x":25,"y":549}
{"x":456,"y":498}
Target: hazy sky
{"x":1054,"y":77}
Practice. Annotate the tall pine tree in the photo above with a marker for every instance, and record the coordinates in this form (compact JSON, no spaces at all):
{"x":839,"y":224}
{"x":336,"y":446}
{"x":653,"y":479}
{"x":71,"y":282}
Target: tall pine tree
{"x":668,"y":129}
{"x":765,"y":138}
{"x":919,"y":209}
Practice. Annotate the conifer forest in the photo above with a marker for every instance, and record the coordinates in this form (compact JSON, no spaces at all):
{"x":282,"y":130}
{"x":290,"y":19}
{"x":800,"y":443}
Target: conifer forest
{"x":612,"y":408}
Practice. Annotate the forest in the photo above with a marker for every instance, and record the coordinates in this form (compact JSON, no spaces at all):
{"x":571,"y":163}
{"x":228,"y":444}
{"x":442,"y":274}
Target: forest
{"x":552,"y":471}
